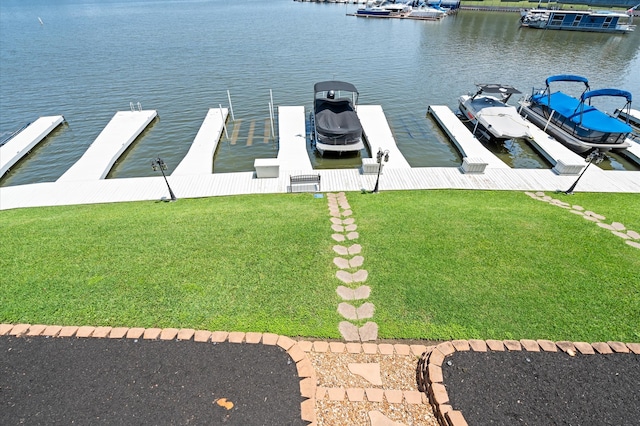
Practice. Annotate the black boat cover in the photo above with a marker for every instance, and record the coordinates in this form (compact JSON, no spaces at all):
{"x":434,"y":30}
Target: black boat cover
{"x":498,"y":88}
{"x":337,"y":119}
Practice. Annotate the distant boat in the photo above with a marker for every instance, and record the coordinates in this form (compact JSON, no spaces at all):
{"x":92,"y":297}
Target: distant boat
{"x":426,"y":11}
{"x":574,"y":121}
{"x":602,"y":21}
{"x":383,"y":9}
{"x":40,"y":20}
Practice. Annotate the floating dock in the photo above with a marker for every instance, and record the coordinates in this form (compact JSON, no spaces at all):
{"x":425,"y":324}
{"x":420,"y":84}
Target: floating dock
{"x":633,"y":151}
{"x":565,"y":161}
{"x":378,"y":135}
{"x":22,"y":143}
{"x":467,"y":144}
{"x":199,"y":158}
{"x":292,"y":131}
{"x":115,"y":138}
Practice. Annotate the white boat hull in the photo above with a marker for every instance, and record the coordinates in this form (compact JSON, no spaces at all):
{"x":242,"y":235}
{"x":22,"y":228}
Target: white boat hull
{"x":499,"y":120}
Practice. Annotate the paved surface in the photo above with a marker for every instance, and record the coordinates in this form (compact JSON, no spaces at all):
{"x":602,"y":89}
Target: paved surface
{"x":137,"y":381}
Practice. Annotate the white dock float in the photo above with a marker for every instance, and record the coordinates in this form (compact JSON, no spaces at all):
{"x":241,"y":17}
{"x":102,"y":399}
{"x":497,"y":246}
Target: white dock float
{"x":199,"y":158}
{"x":292,"y":133}
{"x":475,"y":156}
{"x":634,"y":150}
{"x":565,"y":161}
{"x":115,"y":138}
{"x":20,"y":145}
{"x":379,"y":136}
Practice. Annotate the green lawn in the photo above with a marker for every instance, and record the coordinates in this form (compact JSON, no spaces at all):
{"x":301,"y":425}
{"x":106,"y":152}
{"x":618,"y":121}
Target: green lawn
{"x":442,"y":264}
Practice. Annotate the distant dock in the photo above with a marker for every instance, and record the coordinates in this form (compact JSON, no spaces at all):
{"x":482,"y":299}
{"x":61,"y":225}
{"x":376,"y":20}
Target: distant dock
{"x":115,"y":138}
{"x":23,"y":142}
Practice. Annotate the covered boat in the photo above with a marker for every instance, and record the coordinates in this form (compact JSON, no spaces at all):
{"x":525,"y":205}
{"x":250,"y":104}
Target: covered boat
{"x":574,"y":121}
{"x":336,"y":126}
{"x":383,"y":9}
{"x":487,"y":110}
{"x":603,"y":21}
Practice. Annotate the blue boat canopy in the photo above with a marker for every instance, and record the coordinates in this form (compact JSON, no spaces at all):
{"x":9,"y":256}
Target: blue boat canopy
{"x":567,"y":77}
{"x":606,"y":92}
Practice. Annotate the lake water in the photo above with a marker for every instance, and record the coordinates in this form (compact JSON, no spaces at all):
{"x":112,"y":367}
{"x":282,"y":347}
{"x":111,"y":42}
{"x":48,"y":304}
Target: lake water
{"x":91,"y":58}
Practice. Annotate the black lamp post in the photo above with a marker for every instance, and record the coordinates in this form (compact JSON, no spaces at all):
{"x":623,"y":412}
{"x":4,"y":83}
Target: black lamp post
{"x":159,"y":164}
{"x":380,"y":156}
{"x":594,"y":156}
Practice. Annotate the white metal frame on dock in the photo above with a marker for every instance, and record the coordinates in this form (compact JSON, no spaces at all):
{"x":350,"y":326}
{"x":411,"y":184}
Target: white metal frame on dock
{"x":115,"y":138}
{"x":22,"y":143}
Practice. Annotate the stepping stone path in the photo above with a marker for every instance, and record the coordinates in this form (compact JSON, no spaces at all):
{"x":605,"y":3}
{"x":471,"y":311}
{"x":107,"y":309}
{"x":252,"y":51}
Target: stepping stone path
{"x":349,"y":261}
{"x":630,"y":237}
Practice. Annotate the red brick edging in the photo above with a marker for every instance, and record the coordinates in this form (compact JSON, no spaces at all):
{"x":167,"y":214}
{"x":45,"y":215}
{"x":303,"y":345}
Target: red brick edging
{"x":429,"y":373}
{"x":306,"y":371}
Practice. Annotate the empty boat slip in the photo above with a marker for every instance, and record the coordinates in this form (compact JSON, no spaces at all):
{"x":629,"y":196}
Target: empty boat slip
{"x":115,"y":138}
{"x":199,"y":159}
{"x":378,"y":134}
{"x":20,"y":145}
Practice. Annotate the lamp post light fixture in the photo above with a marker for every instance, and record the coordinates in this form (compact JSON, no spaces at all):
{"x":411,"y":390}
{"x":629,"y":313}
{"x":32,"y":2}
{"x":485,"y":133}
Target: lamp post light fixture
{"x":594,"y":156}
{"x":158,"y":164}
{"x":380,"y":156}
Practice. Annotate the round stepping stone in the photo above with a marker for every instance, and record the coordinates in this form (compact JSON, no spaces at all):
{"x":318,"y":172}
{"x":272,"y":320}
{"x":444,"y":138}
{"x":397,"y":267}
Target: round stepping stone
{"x":344,"y":276}
{"x":337,"y":228}
{"x":341,"y":263}
{"x":348,"y":331}
{"x":368,"y":332}
{"x":606,"y":226}
{"x":579,"y":208}
{"x":633,"y":234}
{"x":351,"y":227}
{"x":540,"y":194}
{"x":336,"y":221}
{"x":338,"y":237}
{"x":360,"y":276}
{"x":365,"y":311}
{"x":348,"y":311}
{"x":353,"y":235}
{"x":591,"y":218}
{"x":346,"y":293}
{"x":530,"y":194}
{"x":355,"y":249}
{"x":342,"y":250}
{"x":349,"y":221}
{"x":618,"y":226}
{"x":362,"y":292}
{"x":621,"y":235}
{"x":347,"y":213}
{"x":356,"y":262}
{"x":633,"y":244}
{"x":596,"y":215}
{"x":370,"y":371}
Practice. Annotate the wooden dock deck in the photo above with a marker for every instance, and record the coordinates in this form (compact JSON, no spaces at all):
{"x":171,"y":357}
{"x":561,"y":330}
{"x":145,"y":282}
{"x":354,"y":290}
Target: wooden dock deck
{"x":20,"y":145}
{"x":378,"y":135}
{"x":292,"y":132}
{"x":199,"y":158}
{"x":467,"y":144}
{"x":115,"y":138}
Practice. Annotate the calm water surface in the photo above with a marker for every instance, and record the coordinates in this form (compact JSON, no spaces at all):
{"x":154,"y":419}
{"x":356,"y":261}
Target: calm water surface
{"x":91,"y":58}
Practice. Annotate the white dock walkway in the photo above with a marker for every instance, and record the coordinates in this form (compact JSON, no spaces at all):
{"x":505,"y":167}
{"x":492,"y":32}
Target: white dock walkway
{"x":379,"y":136}
{"x":199,"y":158}
{"x":563,"y":159}
{"x":115,"y":138}
{"x":292,"y":132}
{"x":468,"y":145}
{"x":26,"y":140}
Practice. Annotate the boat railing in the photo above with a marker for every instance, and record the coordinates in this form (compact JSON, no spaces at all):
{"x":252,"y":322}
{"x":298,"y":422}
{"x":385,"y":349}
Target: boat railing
{"x":13,"y":134}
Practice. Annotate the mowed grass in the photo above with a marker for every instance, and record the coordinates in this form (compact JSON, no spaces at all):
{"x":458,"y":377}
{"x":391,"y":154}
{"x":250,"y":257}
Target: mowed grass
{"x":442,"y":265}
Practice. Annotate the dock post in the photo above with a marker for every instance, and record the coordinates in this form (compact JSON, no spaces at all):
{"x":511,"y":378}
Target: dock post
{"x":224,"y":123}
{"x":233,"y":118}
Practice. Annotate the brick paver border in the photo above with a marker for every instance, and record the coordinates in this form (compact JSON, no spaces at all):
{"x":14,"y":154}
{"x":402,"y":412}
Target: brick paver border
{"x":429,"y":374}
